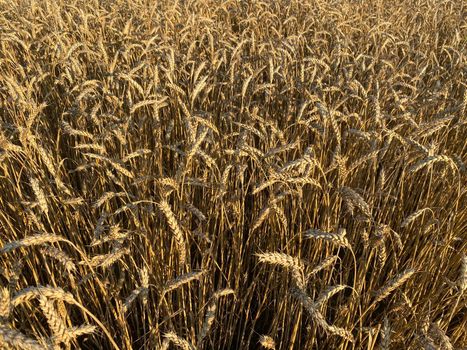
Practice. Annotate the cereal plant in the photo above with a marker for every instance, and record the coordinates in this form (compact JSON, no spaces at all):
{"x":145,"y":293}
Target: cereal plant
{"x":233,"y":174}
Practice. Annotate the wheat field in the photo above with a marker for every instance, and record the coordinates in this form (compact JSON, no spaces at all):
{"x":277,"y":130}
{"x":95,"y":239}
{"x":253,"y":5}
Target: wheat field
{"x":233,"y":174}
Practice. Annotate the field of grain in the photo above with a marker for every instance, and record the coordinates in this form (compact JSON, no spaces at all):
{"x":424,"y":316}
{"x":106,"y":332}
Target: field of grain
{"x":209,"y":174}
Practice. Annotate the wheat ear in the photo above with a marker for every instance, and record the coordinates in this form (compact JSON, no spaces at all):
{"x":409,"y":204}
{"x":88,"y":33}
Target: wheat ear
{"x":393,"y":284}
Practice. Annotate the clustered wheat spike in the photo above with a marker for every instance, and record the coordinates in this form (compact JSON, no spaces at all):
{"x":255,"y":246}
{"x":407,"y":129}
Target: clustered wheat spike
{"x":357,"y":200}
{"x":106,"y":260}
{"x":142,"y":291}
{"x":440,"y":335}
{"x":76,"y":331}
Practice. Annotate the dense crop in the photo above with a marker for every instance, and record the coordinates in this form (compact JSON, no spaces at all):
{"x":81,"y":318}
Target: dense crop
{"x":233,"y":174}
